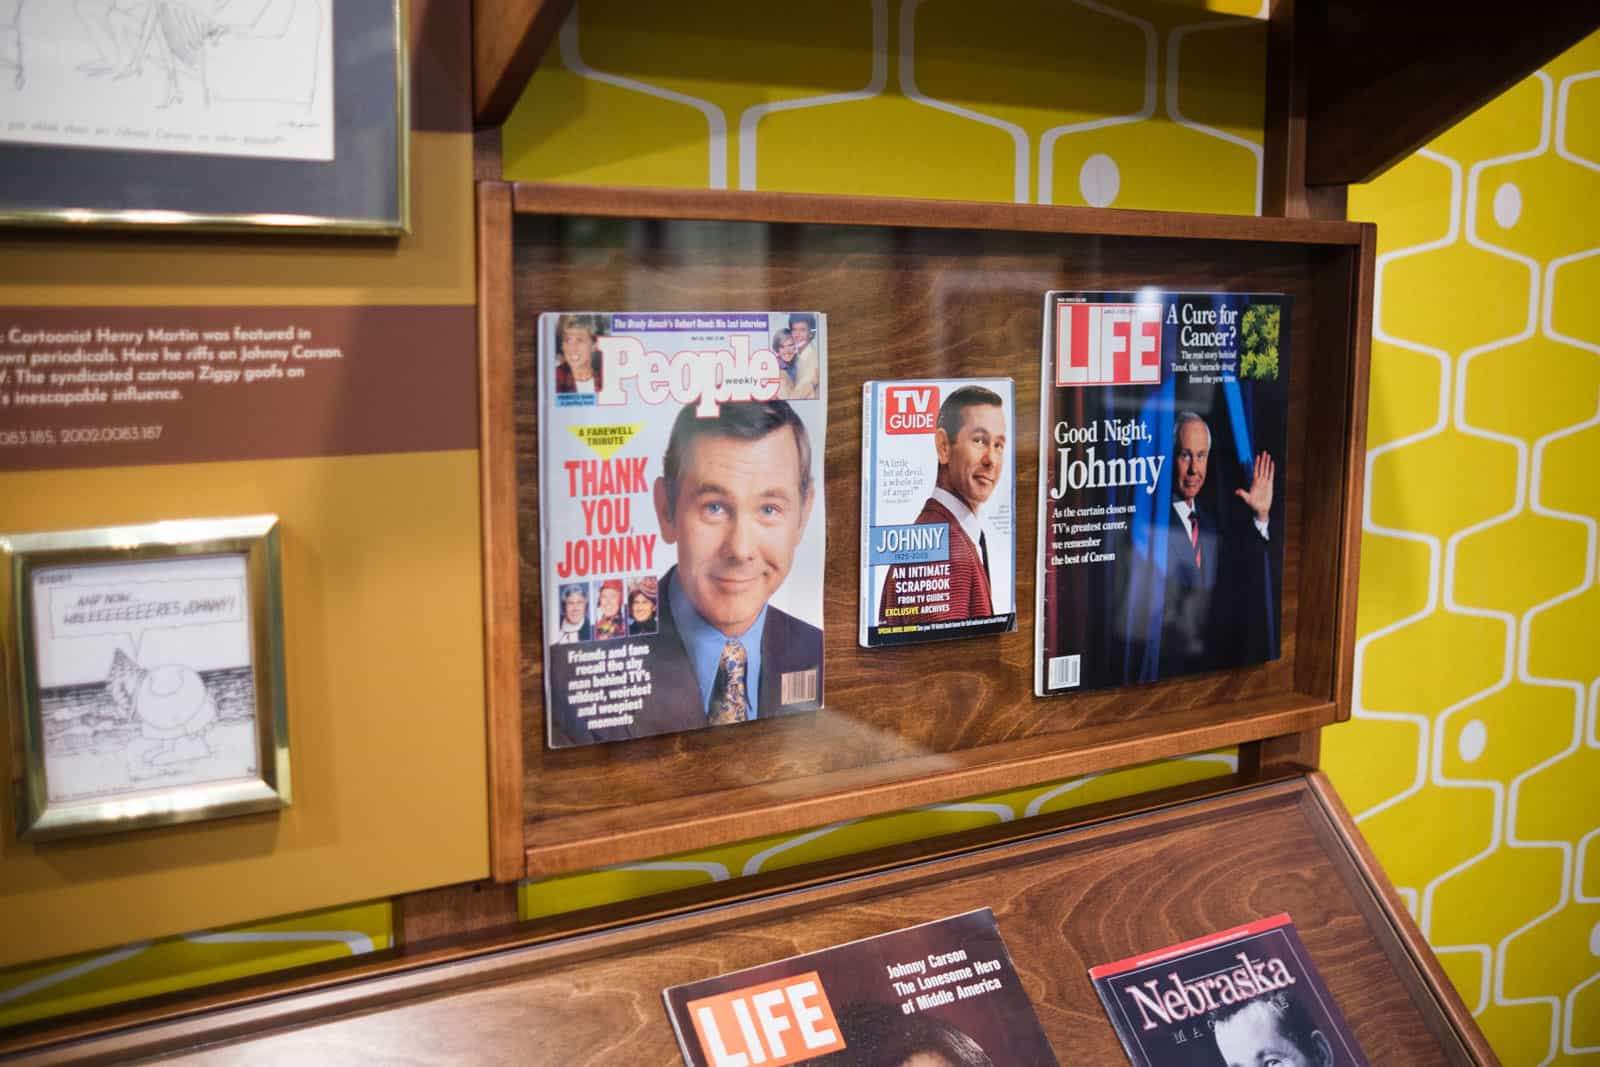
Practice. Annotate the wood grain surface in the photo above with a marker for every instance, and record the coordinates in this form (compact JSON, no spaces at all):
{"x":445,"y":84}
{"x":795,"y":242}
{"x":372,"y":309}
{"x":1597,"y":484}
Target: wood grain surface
{"x":926,"y":723}
{"x":509,"y":39}
{"x":1388,"y":78}
{"x":498,"y":479}
{"x":1064,"y":902}
{"x":640,"y":202}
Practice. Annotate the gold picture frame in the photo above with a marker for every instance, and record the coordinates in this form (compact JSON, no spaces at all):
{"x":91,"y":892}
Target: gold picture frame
{"x":58,"y":172}
{"x":145,"y":674}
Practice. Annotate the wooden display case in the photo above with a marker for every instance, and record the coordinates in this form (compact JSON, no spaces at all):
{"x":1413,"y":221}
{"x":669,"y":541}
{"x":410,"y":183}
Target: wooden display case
{"x":912,"y":289}
{"x":1064,"y":901}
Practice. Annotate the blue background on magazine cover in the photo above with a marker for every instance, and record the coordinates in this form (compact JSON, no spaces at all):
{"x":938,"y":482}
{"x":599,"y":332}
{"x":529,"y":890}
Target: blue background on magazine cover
{"x":1152,"y":514}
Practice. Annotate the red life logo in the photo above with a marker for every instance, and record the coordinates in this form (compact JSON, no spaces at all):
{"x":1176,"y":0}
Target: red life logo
{"x":910,"y":409}
{"x":775,"y":1023}
{"x":1108,"y":344}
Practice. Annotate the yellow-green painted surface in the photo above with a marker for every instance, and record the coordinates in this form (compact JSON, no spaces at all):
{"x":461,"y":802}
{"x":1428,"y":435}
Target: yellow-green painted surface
{"x":628,"y":881}
{"x":1473,"y":761}
{"x":1125,"y":104}
{"x":145,"y":968}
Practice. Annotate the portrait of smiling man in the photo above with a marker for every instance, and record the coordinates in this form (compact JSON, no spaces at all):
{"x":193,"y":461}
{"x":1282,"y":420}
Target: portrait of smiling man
{"x":734,"y":499}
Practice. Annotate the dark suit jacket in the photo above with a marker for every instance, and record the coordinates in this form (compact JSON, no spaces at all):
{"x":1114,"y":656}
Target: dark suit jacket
{"x":1186,"y":625}
{"x":675,"y":703}
{"x":1217,"y":614}
{"x":970,"y":596}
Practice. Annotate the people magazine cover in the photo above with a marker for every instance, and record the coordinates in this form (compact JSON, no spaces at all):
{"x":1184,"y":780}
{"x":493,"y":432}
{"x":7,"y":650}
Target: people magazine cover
{"x":682,"y":521}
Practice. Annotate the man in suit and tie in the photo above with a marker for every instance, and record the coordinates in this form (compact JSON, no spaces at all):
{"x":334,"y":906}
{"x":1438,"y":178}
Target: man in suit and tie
{"x":970,"y":442}
{"x":734,"y":498}
{"x":1203,"y":626}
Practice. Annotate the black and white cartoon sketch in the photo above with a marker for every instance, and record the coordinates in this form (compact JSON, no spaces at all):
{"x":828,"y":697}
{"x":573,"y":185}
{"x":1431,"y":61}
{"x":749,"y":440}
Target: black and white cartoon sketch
{"x":170,"y":703}
{"x":112,"y":29}
{"x":270,"y":46}
{"x":145,"y":675}
{"x":11,"y":41}
{"x":218,"y":77}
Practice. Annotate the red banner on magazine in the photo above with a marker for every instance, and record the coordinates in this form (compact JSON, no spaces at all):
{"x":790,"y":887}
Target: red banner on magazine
{"x":1245,"y":995}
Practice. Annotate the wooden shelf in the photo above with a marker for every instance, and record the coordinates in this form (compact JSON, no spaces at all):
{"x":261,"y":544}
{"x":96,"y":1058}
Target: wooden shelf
{"x":594,"y":838}
{"x":631,"y":202}
{"x":913,"y":289}
{"x":1064,"y":901}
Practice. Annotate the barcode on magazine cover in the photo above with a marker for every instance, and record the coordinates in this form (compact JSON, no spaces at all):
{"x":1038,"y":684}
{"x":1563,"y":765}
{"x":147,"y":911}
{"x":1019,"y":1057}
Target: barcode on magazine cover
{"x":1064,"y":671}
{"x":799,"y":687}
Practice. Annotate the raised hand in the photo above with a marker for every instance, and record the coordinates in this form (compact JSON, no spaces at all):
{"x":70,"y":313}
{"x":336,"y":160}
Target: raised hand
{"x":1259,"y":497}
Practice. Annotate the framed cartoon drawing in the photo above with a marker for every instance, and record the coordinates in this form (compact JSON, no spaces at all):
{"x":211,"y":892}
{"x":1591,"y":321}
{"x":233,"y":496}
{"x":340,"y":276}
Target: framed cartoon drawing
{"x":233,"y":114}
{"x":147,"y":674}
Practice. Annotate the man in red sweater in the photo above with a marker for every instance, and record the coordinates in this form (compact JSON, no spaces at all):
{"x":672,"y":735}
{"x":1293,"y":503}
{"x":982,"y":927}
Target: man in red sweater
{"x":971,"y":446}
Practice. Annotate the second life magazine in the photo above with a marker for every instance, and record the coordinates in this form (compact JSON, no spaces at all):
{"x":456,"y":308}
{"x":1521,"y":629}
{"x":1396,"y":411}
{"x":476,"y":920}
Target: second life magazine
{"x":1164,"y":432}
{"x":1248,"y":995}
{"x":681,"y":518}
{"x":942,"y":993}
{"x":938,"y":510}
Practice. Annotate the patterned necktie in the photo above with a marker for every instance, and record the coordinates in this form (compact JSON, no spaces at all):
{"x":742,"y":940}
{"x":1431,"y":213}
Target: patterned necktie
{"x":730,"y":701}
{"x":983,"y":548}
{"x":1194,"y":535}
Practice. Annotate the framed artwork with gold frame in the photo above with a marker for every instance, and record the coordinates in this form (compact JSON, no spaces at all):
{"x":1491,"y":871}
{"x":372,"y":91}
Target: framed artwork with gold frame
{"x":146,"y":667}
{"x":289,"y":114}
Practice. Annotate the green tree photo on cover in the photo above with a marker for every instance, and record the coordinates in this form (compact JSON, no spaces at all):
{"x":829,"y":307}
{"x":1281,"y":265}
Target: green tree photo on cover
{"x":1260,"y":356}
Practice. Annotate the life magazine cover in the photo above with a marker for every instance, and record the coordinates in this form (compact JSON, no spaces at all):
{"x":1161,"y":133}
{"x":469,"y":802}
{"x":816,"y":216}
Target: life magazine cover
{"x":944,"y":992}
{"x":1164,"y":422}
{"x":938,"y":510}
{"x":1248,"y":995}
{"x":681,"y":511}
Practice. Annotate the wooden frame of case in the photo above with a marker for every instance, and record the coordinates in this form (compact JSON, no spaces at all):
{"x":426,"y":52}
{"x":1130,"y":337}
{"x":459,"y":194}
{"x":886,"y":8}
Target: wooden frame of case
{"x":872,"y":264}
{"x":1130,"y":879}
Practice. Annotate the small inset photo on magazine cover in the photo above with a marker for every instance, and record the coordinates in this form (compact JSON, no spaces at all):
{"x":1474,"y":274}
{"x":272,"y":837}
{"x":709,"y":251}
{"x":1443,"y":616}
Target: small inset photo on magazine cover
{"x":682,"y":519}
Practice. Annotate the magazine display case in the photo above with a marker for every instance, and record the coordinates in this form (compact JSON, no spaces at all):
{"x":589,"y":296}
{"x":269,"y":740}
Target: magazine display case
{"x":1064,"y":902}
{"x":912,"y":289}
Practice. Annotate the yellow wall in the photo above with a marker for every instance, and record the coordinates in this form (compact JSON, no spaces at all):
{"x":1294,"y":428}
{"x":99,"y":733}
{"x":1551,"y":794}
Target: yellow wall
{"x":1473,"y":758}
